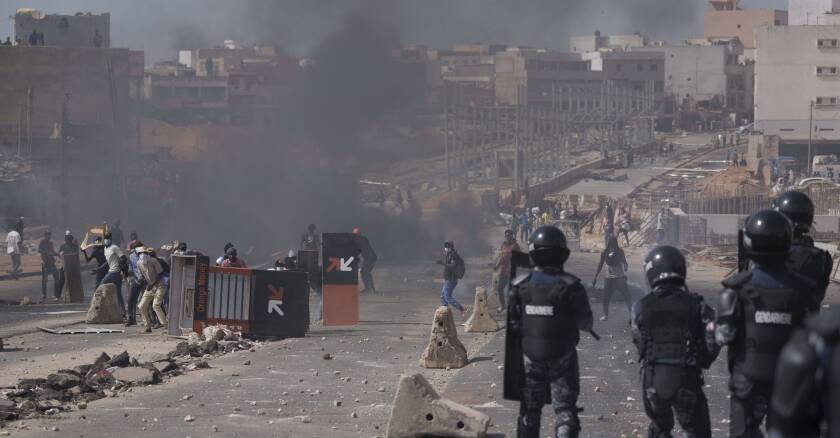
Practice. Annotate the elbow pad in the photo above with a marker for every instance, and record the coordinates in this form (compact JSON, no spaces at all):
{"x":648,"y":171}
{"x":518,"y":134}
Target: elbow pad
{"x":727,"y":307}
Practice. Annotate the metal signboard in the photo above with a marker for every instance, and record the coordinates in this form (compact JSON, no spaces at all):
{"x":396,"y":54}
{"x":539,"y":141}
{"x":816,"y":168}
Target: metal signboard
{"x":340,"y":277}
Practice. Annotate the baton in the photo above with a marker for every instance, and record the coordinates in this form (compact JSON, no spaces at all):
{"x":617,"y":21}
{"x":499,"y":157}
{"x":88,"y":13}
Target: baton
{"x":594,"y":335}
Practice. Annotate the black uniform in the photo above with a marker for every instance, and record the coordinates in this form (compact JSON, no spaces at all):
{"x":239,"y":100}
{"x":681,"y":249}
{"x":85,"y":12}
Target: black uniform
{"x":813,"y":263}
{"x":803,"y":258}
{"x":669,"y":330}
{"x":547,"y":309}
{"x":806,"y":391}
{"x":759,"y":311}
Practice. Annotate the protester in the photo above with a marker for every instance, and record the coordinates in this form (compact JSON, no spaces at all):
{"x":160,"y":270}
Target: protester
{"x":48,"y":255}
{"x":223,"y":257}
{"x":503,"y":267}
{"x":68,"y":247}
{"x":624,"y":224}
{"x":133,"y":241}
{"x":117,"y":266}
{"x":616,"y":278}
{"x":232,"y":260}
{"x":13,"y":248}
{"x":368,"y":260}
{"x":98,"y":254}
{"x":136,"y":282}
{"x":152,"y":275}
{"x":453,"y":270}
{"x":117,"y":233}
{"x":310,"y":240}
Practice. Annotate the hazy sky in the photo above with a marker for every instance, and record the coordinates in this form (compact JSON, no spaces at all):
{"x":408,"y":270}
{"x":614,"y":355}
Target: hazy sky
{"x":159,"y":27}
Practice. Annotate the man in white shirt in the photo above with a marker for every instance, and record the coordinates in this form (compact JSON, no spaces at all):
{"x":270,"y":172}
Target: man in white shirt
{"x":152,"y":273}
{"x":13,"y":241}
{"x":117,"y":263}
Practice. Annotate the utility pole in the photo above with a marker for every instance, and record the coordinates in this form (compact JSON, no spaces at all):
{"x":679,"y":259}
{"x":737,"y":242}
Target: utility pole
{"x":810,"y":166}
{"x":65,"y":213}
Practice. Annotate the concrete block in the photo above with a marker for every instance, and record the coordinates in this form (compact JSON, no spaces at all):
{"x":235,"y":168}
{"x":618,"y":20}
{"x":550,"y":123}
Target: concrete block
{"x":104,"y":307}
{"x":480,"y":320}
{"x":419,"y":412}
{"x":445,"y":350}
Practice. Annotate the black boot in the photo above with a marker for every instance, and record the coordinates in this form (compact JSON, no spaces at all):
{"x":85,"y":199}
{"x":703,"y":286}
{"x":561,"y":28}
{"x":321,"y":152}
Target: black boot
{"x":528,"y":427}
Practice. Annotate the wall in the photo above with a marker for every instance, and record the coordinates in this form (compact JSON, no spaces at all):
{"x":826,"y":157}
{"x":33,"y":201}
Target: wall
{"x":52,"y":72}
{"x":804,"y":12}
{"x":740,"y":24}
{"x":728,"y":224}
{"x":698,"y":71}
{"x":786,"y":82}
{"x":64,"y":30}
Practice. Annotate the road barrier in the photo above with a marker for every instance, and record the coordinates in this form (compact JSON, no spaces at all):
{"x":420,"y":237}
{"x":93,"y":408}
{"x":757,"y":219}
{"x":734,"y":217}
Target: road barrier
{"x":259,"y":303}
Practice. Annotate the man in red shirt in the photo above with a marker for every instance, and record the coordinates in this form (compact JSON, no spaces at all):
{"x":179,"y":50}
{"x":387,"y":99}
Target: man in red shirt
{"x":48,"y":255}
{"x":503,"y":265}
{"x":232,"y":261}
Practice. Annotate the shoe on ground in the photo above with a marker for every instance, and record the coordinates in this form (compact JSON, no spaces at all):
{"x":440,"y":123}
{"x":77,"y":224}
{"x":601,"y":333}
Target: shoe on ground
{"x":147,"y":330}
{"x":130,"y":323}
{"x":157,"y":326}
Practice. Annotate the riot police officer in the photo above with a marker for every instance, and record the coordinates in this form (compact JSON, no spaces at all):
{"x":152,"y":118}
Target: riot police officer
{"x":759,"y":311}
{"x":674,"y":332}
{"x":806,"y":392}
{"x":805,"y":259}
{"x":547,"y":308}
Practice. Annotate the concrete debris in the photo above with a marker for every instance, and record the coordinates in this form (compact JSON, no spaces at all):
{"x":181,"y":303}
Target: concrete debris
{"x":137,"y":375}
{"x":480,"y":320}
{"x":419,"y":411}
{"x":445,"y":350}
{"x":107,"y":376}
{"x":104,"y":307}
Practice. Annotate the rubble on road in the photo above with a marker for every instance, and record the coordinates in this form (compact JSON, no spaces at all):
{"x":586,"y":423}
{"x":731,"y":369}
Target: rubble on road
{"x":108,"y":375}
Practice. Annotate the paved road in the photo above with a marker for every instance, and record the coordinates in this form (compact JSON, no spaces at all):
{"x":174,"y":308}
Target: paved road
{"x":16,"y":319}
{"x":289,"y":380}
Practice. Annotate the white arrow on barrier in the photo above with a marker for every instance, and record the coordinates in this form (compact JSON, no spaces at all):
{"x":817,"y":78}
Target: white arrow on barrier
{"x":345,"y":264}
{"x":274,"y":306}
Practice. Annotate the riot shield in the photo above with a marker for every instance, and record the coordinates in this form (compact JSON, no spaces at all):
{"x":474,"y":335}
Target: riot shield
{"x":514,"y":377}
{"x":73,"y":289}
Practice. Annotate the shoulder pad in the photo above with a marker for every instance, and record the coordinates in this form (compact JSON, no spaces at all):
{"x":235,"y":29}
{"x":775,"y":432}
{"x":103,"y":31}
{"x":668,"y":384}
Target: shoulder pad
{"x":520,"y":279}
{"x":737,"y":280}
{"x":569,"y":278}
{"x":728,"y":299}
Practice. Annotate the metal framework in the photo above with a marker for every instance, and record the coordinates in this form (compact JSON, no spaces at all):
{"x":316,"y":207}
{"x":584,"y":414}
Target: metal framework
{"x":528,"y":143}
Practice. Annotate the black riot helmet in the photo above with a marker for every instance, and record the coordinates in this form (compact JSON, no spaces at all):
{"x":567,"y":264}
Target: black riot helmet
{"x":665,"y":264}
{"x":798,"y":207}
{"x":548,"y":246}
{"x":767,"y":236}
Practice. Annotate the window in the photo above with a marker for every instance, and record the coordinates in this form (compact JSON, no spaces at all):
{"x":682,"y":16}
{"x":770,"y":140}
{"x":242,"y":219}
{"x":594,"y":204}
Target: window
{"x":826,"y":101}
{"x":654,"y":67}
{"x":639,"y":67}
{"x":826,"y":71}
{"x":827,"y":43}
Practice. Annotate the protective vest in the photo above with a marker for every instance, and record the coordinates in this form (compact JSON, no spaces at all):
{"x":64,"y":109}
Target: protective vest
{"x":770,"y":318}
{"x":549,"y":329}
{"x":813,"y":264}
{"x":670,"y":324}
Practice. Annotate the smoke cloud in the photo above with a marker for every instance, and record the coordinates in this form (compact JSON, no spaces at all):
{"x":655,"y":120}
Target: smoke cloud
{"x":300,"y":25}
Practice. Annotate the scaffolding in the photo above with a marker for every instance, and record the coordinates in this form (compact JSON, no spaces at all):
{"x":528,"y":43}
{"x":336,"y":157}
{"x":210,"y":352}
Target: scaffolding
{"x":522,"y":144}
